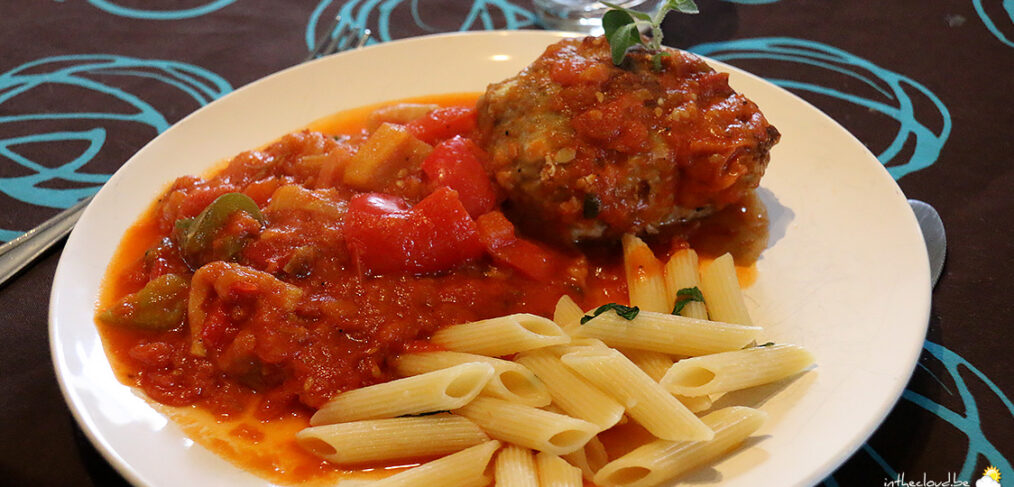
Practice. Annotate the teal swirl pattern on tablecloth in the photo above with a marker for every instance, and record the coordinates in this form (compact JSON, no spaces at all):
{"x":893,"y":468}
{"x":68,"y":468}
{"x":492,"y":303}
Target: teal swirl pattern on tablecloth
{"x":156,"y":14}
{"x":897,"y":100}
{"x":356,"y":14}
{"x":84,"y":72}
{"x":1008,"y":8}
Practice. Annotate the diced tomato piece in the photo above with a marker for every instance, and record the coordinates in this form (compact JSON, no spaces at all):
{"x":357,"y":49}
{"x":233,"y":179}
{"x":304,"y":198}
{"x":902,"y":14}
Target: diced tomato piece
{"x":456,"y":163}
{"x":442,"y":124}
{"x":386,"y":235}
{"x":213,"y":334}
{"x":498,"y":236}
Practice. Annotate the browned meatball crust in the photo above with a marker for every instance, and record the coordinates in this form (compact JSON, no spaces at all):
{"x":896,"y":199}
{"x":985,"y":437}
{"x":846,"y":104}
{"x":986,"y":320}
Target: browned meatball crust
{"x":584,"y":149}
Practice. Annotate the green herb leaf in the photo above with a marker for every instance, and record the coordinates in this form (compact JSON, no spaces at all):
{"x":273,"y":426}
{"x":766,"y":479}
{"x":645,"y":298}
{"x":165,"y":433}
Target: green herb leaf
{"x":683,"y":6}
{"x":633,"y":13}
{"x":622,"y":28}
{"x":686,"y":296}
{"x":591,"y":206}
{"x":621,"y":32}
{"x":429,"y":413}
{"x":768,"y":344}
{"x":625,"y":312}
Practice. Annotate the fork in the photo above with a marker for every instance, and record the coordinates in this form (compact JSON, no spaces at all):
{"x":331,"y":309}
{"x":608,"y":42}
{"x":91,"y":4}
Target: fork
{"x":21,"y":251}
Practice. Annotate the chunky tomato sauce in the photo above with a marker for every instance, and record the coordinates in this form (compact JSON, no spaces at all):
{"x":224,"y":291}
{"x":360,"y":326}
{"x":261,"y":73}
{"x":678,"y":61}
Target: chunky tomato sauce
{"x":244,"y":300}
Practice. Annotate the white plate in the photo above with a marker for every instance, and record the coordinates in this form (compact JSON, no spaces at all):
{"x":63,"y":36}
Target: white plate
{"x":846,"y":273}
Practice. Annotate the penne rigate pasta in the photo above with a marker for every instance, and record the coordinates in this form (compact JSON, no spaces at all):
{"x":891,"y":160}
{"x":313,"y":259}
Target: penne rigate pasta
{"x":720,"y":287}
{"x":511,"y":380}
{"x":666,"y":333}
{"x":570,"y":392}
{"x":695,"y":404}
{"x":439,"y":390}
{"x":681,"y":272}
{"x":567,"y":314}
{"x":731,"y":371}
{"x":375,"y":440}
{"x":557,"y":472}
{"x":645,"y":282}
{"x":661,"y":460}
{"x":590,"y":458}
{"x":645,"y":401}
{"x":465,"y":468}
{"x":656,"y":365}
{"x":501,"y":336}
{"x":515,"y":467}
{"x":527,"y":426}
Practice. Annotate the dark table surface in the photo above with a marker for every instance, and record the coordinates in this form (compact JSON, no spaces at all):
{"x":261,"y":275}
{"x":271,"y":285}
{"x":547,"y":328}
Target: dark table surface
{"x":927,"y":86}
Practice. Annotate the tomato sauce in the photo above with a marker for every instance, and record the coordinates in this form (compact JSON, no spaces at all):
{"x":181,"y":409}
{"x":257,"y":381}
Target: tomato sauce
{"x":297,"y":315}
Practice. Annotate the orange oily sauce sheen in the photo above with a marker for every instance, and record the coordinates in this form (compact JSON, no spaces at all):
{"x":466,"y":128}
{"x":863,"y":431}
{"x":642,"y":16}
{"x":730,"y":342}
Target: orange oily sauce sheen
{"x":268,"y":448}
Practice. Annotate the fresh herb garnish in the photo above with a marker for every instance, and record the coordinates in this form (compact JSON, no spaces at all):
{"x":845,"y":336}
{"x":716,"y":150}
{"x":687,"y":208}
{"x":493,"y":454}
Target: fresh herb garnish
{"x":428,"y":413}
{"x":622,"y":27}
{"x":768,"y":344}
{"x":590,"y":208}
{"x":686,"y":296}
{"x":626,"y":312}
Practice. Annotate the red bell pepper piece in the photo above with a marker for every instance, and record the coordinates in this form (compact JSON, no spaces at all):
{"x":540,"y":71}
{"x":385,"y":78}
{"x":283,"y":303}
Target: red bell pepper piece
{"x":456,"y":163}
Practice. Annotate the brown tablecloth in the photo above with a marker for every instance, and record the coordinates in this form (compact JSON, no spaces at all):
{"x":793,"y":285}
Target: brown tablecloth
{"x":927,"y":86}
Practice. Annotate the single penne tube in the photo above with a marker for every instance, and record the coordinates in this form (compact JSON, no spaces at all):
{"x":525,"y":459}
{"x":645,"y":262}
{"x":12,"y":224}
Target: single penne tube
{"x":501,"y":336}
{"x":511,"y":380}
{"x":732,"y":371}
{"x":656,"y":365}
{"x":645,"y":401}
{"x":681,"y":272}
{"x":660,"y":461}
{"x":571,"y":392}
{"x":590,"y":458}
{"x":557,"y":472}
{"x":515,"y":467}
{"x":527,"y":426}
{"x":440,"y":390}
{"x":465,"y":467}
{"x":375,"y":440}
{"x":666,"y":333}
{"x":645,"y":279}
{"x":695,"y":404}
{"x":567,"y":314}
{"x":720,"y":287}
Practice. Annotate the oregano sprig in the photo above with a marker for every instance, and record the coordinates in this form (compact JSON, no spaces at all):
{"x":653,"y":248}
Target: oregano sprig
{"x":622,"y":28}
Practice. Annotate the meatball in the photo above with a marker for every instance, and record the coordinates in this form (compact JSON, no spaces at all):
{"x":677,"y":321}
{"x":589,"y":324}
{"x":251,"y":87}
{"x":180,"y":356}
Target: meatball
{"x":585,"y":150}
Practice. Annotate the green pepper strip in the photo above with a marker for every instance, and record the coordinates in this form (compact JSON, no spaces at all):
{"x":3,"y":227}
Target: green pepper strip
{"x":197,"y":234}
{"x":160,"y":305}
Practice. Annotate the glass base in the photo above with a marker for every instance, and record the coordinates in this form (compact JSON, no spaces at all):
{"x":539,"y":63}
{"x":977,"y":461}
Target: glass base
{"x":582,"y":15}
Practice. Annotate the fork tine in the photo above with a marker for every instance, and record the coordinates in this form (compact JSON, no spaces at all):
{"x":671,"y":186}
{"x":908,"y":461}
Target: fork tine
{"x":329,"y":39}
{"x":365,"y":36}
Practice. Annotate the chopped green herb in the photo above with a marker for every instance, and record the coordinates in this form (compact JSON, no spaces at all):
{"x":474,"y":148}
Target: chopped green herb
{"x":591,"y":206}
{"x":622,"y":28}
{"x":686,"y":296}
{"x":768,"y":344}
{"x":430,"y":413}
{"x":626,"y":312}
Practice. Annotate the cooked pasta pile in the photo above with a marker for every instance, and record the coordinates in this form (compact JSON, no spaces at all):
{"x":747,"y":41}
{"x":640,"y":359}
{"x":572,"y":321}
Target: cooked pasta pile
{"x":540,"y":417}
